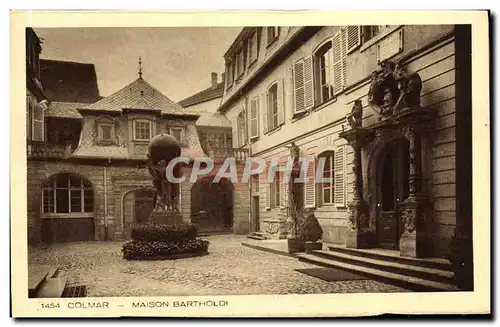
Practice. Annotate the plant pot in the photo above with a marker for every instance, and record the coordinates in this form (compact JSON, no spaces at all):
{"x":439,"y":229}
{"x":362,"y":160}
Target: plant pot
{"x":295,"y":245}
{"x":310,"y":246}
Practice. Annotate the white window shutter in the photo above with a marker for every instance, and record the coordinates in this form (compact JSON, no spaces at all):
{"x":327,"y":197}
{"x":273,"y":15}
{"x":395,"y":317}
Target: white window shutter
{"x":308,"y":83}
{"x":254,"y":118}
{"x":282,"y":187}
{"x":38,"y":123}
{"x":298,"y":86}
{"x":245,"y":126}
{"x":310,"y":184}
{"x":235,"y":133}
{"x":268,"y":194}
{"x":281,"y":102}
{"x":265,"y":113}
{"x":339,"y":177}
{"x":337,"y":66}
{"x":344,"y":57}
{"x":353,"y":37}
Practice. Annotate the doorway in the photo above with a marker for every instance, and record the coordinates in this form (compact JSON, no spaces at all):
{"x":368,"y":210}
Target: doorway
{"x":392,"y":190}
{"x":137,"y":207}
{"x":255,"y":214}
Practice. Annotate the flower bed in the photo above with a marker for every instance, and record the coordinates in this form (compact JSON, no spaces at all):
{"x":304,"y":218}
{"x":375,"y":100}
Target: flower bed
{"x":164,"y":242}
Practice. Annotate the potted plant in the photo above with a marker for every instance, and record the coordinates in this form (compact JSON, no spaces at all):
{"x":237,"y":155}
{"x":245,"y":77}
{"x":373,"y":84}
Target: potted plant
{"x":311,"y":231}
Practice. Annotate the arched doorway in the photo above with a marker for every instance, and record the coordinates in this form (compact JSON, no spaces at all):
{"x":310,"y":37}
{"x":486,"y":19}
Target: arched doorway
{"x":392,"y":189}
{"x":137,"y":206}
{"x":67,"y":208}
{"x":212,"y":204}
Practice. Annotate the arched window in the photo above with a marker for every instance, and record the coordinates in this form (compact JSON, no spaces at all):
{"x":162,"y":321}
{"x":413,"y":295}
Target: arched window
{"x":67,"y":193}
{"x":326,"y":188}
{"x":323,"y":71}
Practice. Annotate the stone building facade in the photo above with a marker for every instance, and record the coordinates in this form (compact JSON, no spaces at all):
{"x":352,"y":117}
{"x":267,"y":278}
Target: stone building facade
{"x":411,"y":174}
{"x":87,"y":174}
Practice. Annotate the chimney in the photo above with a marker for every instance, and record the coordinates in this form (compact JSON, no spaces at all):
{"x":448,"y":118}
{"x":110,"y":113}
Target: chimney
{"x":214,"y":80}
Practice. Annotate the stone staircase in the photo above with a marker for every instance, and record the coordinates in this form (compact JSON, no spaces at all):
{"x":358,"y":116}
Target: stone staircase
{"x":387,"y":266}
{"x":257,"y":236}
{"x":51,"y":282}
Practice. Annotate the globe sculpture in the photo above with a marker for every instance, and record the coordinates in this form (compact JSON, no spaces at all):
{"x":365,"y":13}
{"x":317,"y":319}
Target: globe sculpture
{"x":162,"y":149}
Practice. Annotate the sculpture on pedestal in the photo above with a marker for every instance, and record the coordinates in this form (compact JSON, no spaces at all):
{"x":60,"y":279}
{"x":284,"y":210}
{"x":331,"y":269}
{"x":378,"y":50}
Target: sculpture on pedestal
{"x":162,"y":150}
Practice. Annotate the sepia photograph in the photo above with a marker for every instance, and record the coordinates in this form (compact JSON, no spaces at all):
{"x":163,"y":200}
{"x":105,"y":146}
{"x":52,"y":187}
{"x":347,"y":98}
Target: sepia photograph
{"x":178,"y":165}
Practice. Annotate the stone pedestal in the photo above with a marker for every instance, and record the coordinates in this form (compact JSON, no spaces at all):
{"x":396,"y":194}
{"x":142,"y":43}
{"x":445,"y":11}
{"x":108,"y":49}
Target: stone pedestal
{"x":359,"y":235}
{"x":166,"y":217}
{"x":414,"y":242}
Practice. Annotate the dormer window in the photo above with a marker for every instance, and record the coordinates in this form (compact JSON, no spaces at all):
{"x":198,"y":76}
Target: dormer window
{"x":178,"y":133}
{"x":272,"y":34}
{"x":142,"y":130}
{"x":106,"y":130}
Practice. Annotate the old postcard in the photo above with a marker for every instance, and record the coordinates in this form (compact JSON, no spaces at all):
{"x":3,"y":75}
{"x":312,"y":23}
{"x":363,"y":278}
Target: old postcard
{"x":250,"y":164}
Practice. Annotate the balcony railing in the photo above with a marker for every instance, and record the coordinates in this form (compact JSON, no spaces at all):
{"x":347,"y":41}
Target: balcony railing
{"x":220,"y":154}
{"x":45,"y":150}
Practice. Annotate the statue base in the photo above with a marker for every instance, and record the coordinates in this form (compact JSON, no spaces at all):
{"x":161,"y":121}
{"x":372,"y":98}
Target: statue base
{"x":360,"y":239}
{"x":165,"y":217}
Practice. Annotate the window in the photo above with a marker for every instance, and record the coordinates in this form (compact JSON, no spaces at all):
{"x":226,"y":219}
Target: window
{"x":275,"y":191}
{"x":326,"y":188}
{"x":253,"y":48}
{"x":106,"y":132}
{"x":272,"y":34}
{"x":272,"y":106}
{"x":323,"y":61}
{"x":67,"y":193}
{"x":142,"y":130}
{"x":240,"y":63}
{"x":37,"y":120}
{"x":178,"y":133}
{"x":369,"y":32}
{"x":230,"y":76}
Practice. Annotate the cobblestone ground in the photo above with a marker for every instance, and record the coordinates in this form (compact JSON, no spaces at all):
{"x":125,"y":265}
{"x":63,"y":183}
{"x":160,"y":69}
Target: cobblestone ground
{"x":230,"y":268}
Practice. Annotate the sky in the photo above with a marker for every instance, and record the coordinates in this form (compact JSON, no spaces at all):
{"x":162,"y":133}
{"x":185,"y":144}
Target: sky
{"x":176,"y":61}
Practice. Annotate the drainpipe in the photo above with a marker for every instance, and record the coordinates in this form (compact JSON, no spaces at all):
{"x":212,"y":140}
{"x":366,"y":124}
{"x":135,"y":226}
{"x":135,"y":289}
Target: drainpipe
{"x":106,"y":238}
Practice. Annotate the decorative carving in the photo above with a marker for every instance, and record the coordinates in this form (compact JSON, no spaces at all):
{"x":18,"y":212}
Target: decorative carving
{"x":393,"y":89}
{"x":355,"y":117}
{"x":409,"y":216}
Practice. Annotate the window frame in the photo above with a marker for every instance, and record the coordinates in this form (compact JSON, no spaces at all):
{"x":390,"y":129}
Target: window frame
{"x":51,"y":186}
{"x":136,"y":121}
{"x":329,"y":155}
{"x":182,"y":133}
{"x":253,"y":40}
{"x":271,"y":115}
{"x":276,"y":33}
{"x":318,"y":85}
{"x":254,"y":119}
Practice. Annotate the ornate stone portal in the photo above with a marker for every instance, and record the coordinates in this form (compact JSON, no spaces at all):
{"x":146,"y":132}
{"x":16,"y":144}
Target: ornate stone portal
{"x":162,"y":149}
{"x":395,"y":96}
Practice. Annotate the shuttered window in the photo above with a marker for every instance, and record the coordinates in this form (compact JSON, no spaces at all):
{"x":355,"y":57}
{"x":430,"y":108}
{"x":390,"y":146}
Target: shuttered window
{"x":274,"y":115}
{"x":310,"y":183}
{"x":353,"y":37}
{"x":303,"y":84}
{"x":340,"y":177}
{"x":283,"y":188}
{"x":326,"y":187}
{"x":253,"y":48}
{"x":323,"y":60}
{"x":337,"y":62}
{"x":275,"y":190}
{"x":254,"y":118}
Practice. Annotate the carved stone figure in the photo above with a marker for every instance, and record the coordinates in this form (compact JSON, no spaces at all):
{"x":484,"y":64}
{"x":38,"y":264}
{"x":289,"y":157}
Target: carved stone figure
{"x":355,"y":117}
{"x":393,"y":89}
{"x":161,"y":150}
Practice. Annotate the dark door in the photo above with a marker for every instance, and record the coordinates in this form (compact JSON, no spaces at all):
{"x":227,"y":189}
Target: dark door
{"x":392,"y":190}
{"x":255,"y":214}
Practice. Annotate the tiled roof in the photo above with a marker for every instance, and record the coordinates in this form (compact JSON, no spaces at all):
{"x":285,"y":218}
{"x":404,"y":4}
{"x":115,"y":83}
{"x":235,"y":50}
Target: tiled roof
{"x":142,"y":96}
{"x":66,"y":81}
{"x":213,"y":120}
{"x":205,"y":95}
{"x":64,"y":109}
{"x":95,"y":151}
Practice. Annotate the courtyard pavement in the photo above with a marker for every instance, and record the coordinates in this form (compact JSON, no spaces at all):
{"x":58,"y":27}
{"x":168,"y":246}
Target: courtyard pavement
{"x":229,"y":269}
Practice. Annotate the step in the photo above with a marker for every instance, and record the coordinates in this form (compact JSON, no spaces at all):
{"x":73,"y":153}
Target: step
{"x":394,"y":256}
{"x":36,"y":278}
{"x":256,"y":237}
{"x":437,"y":275}
{"x":53,"y":287}
{"x":408,"y":282}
